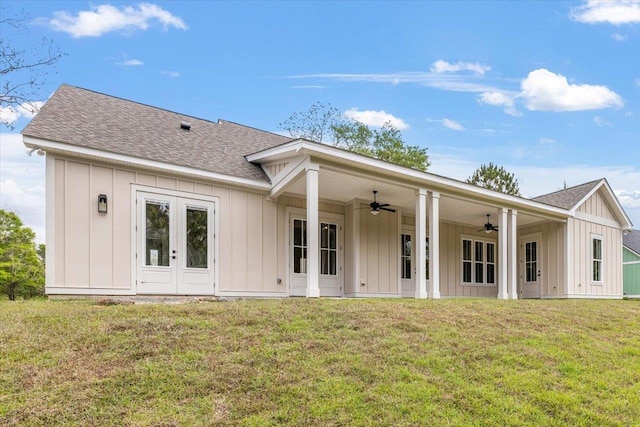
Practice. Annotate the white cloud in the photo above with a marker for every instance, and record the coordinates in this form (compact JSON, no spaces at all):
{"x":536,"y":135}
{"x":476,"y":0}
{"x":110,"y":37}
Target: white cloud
{"x":375,"y":118}
{"x":441,"y":66}
{"x":22,"y":183}
{"x":452,"y":124}
{"x":547,"y":141}
{"x":546,"y":91}
{"x":499,"y":99}
{"x":629,"y":199}
{"x":637,"y":82}
{"x":455,"y":83}
{"x":599,"y":121}
{"x":174,"y":74}
{"x":618,"y":37}
{"x":28,"y":110}
{"x":131,"y":62}
{"x":614,"y":12}
{"x":105,"y":18}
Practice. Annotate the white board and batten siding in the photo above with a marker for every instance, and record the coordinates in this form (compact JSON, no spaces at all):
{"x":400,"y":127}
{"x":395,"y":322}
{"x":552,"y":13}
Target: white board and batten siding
{"x":93,"y":252}
{"x":600,"y":222}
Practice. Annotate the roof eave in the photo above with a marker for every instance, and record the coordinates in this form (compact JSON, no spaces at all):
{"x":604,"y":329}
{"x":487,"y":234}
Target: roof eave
{"x":436,"y":182}
{"x":137,"y":162}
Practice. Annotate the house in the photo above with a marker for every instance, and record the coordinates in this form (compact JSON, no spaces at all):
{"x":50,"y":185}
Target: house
{"x":142,"y":200}
{"x":631,"y":263}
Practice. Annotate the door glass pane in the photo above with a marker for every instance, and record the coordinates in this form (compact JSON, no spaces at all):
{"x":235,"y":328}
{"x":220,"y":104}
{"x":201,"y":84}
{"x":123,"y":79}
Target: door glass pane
{"x":157,"y":233}
{"x":324,"y":235}
{"x":299,"y":246}
{"x":405,"y":251}
{"x":324,"y":261}
{"x":333,"y":264}
{"x":197,"y":237}
{"x":333,"y":240}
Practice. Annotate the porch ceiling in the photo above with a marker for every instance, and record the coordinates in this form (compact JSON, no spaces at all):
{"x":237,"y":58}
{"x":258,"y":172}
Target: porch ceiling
{"x":343,"y":188}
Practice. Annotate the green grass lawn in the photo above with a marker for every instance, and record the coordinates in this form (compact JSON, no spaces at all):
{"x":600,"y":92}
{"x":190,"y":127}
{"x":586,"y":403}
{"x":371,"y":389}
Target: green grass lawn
{"x":321,"y":362}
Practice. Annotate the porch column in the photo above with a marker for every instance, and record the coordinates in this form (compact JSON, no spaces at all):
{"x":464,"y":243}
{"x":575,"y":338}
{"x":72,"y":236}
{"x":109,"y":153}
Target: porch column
{"x":313,"y":231}
{"x":434,"y":245}
{"x":512,"y":269}
{"x":419,"y":244}
{"x":503,"y":258}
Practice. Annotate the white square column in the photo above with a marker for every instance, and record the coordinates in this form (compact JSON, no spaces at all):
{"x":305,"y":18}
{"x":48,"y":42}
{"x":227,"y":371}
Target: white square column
{"x":313,"y":233}
{"x":434,"y":245}
{"x":512,"y":248}
{"x":419,"y":244}
{"x":503,"y":257}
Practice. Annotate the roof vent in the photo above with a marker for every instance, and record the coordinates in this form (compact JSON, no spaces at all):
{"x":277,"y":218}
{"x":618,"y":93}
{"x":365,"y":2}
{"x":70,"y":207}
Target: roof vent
{"x":185,"y":125}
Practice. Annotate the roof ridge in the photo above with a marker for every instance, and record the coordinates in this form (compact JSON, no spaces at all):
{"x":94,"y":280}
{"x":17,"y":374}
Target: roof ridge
{"x":215,"y":122}
{"x":568,"y":188}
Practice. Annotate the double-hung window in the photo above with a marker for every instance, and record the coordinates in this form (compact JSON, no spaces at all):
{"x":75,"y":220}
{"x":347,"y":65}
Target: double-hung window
{"x":478,"y":262}
{"x":596,"y":259}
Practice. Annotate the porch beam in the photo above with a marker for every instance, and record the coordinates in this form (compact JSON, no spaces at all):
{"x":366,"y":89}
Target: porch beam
{"x":512,"y":258}
{"x":421,"y":237}
{"x":503,"y":258}
{"x":434,"y":244}
{"x":313,"y":232}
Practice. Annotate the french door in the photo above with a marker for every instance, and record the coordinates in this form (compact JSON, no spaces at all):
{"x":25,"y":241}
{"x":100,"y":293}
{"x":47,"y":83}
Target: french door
{"x":330,"y":241}
{"x":175,"y":245}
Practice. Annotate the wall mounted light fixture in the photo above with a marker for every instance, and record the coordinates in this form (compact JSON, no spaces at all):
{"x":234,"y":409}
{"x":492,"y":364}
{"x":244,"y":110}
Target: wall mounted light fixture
{"x":102,"y":203}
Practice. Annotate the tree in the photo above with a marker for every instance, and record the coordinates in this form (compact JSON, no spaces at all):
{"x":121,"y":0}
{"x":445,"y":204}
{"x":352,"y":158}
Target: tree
{"x":22,"y":72}
{"x":21,"y":269}
{"x":495,"y":178}
{"x":324,"y":123}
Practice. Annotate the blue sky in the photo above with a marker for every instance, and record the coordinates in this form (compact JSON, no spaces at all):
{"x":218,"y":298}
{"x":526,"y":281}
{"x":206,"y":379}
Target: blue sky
{"x":548,"y":89}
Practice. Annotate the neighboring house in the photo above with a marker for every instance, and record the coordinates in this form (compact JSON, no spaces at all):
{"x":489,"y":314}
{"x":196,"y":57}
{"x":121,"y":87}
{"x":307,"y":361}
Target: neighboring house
{"x":142,"y":200}
{"x":631,"y":263}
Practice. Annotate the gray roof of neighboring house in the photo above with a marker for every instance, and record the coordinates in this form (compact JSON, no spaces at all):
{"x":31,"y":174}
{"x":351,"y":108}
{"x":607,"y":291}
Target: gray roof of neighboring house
{"x":567,"y":198}
{"x":89,"y":119}
{"x":632,"y":240}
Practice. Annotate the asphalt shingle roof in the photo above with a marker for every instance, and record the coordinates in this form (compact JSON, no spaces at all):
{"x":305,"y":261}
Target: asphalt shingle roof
{"x":632,"y":240}
{"x":85,"y":118}
{"x":567,"y":198}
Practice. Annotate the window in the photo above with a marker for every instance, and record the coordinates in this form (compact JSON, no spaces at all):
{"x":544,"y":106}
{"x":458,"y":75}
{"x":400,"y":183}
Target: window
{"x":596,"y":256}
{"x":531,"y":262}
{"x":328,"y":248}
{"x":299,"y":246}
{"x":405,"y":255}
{"x":197,"y":237}
{"x":478,"y":262}
{"x":405,"y":251}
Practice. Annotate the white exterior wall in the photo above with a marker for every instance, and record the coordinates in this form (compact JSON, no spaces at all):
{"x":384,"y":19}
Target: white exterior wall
{"x":379,"y":246}
{"x":552,"y":257}
{"x":94,"y":252}
{"x":601,"y":222}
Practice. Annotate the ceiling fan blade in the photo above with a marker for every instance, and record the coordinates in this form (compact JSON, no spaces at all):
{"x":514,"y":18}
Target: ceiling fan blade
{"x":386,"y":209}
{"x":482,"y":229}
{"x":384,"y":205}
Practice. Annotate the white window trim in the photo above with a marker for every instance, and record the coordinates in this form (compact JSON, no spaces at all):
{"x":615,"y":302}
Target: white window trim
{"x":599,"y":237}
{"x":484,"y":241}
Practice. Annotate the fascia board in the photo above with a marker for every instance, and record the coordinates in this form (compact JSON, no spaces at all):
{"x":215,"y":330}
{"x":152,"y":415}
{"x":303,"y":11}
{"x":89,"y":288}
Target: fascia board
{"x":62,"y":148}
{"x":444,"y":183}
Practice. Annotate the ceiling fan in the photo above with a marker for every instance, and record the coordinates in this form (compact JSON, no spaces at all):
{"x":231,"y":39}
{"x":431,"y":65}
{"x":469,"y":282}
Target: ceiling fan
{"x":488,"y":227}
{"x":377,"y":207}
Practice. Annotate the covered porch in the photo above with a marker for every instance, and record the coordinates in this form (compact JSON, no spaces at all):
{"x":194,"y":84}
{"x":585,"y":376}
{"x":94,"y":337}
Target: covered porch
{"x":376,"y":250}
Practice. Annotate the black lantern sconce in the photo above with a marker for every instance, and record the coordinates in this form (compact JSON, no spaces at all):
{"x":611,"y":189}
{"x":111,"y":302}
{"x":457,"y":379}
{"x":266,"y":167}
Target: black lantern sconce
{"x":102,"y":203}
